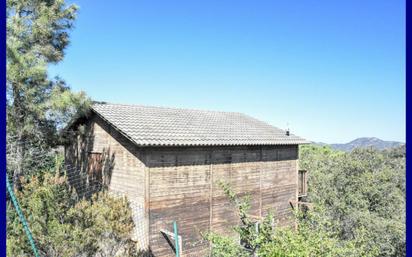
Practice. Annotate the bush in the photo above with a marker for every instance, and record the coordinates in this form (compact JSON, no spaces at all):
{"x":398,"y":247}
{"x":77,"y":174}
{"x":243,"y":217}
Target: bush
{"x":63,"y":225}
{"x":312,"y":237}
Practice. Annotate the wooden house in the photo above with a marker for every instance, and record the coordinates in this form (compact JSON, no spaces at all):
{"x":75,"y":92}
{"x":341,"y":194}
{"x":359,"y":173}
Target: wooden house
{"x":169,"y":162}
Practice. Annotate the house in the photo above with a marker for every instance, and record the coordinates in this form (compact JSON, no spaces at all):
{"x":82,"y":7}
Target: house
{"x":169,"y":162}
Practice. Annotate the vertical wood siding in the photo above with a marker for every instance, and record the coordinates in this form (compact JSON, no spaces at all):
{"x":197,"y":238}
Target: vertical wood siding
{"x":184,"y":186}
{"x":124,"y":170}
{"x":182,"y":183}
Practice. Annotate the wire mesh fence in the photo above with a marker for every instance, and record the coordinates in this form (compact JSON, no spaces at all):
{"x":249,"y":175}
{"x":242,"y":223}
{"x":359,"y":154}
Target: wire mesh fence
{"x":84,"y":187}
{"x":87,"y":185}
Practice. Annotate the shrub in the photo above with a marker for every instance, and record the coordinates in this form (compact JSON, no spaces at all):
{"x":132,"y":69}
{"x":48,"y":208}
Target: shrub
{"x":63,"y":225}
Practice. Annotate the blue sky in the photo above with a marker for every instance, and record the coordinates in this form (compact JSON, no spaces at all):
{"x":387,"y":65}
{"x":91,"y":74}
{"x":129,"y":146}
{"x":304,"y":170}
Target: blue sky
{"x":332,"y":70}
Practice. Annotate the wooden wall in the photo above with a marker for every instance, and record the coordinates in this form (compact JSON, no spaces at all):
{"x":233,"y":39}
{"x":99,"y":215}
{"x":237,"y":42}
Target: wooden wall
{"x":181,"y":183}
{"x":184,"y":187}
{"x":124,"y":172}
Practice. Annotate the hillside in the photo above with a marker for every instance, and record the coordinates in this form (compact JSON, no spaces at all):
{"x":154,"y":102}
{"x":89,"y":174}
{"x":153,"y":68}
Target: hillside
{"x":364,"y":142}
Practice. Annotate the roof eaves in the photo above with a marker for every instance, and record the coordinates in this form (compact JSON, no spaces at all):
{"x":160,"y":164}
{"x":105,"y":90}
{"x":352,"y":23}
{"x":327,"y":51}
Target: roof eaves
{"x":114,"y":126}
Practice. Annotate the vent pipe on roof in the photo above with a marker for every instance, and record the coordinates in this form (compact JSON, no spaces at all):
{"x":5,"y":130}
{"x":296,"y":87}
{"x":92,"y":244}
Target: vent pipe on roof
{"x":287,"y":129}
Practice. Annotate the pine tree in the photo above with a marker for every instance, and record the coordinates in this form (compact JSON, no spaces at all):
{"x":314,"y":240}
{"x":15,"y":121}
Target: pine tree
{"x":37,"y":35}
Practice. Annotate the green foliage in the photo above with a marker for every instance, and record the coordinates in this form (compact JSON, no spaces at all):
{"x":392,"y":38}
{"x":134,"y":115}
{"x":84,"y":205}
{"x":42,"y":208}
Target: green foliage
{"x":37,"y":34}
{"x":63,"y":225}
{"x":362,"y":195}
{"x":350,"y":217}
{"x":37,"y":106}
{"x":223,"y":246}
{"x":312,"y":237}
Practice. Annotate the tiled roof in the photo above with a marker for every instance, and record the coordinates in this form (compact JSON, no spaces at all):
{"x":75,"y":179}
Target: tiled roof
{"x":159,"y":126}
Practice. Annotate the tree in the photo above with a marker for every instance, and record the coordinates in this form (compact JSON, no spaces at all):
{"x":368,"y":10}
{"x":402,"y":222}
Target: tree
{"x":360,"y":192}
{"x":37,"y":35}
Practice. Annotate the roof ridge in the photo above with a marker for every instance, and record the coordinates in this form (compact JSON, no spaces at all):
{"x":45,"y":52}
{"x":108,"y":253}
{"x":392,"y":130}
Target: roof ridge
{"x":165,"y":107}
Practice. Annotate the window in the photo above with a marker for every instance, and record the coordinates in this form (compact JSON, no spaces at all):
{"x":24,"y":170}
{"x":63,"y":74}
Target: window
{"x":302,"y":181}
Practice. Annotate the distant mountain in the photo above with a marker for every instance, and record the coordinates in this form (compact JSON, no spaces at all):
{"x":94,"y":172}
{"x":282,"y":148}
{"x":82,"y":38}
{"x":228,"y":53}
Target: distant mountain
{"x":364,"y":142}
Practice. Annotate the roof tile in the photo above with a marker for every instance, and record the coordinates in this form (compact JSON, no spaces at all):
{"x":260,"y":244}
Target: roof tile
{"x":160,"y":126}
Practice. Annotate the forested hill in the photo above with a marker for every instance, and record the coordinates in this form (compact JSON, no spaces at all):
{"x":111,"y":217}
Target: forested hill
{"x":357,"y":201}
{"x":362,"y":192}
{"x":364,"y":142}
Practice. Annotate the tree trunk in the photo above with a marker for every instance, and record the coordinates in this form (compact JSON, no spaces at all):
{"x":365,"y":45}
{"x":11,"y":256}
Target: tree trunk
{"x":20,"y":147}
{"x":18,"y":171}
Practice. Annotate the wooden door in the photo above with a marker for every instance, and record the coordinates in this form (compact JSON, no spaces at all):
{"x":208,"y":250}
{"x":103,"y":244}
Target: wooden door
{"x":95,"y":176}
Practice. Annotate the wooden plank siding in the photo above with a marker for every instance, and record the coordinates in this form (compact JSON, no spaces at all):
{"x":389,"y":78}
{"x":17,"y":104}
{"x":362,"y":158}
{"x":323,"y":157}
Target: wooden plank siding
{"x":182,"y":184}
{"x":124,"y":172}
